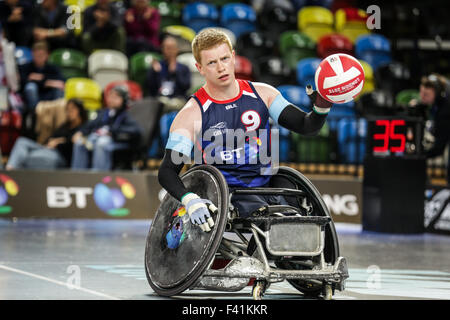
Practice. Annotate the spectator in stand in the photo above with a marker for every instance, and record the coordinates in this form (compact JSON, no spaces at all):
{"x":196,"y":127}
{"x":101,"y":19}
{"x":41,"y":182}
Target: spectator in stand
{"x":168,"y":78}
{"x":112,"y":130}
{"x":57,"y":151}
{"x":142,"y":27}
{"x":434,"y":92}
{"x":16,"y":19}
{"x":50,"y":24}
{"x":102,"y":28}
{"x":40,"y":80}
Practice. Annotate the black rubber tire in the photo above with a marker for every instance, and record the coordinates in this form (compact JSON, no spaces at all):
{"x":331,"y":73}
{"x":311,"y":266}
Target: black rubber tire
{"x":219,"y":229}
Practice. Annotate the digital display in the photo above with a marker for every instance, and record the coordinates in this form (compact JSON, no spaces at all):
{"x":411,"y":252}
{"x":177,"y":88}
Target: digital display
{"x":394,"y":136}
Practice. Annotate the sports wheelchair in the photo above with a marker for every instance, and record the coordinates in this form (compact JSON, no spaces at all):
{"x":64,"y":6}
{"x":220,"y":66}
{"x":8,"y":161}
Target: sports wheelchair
{"x":297,"y":243}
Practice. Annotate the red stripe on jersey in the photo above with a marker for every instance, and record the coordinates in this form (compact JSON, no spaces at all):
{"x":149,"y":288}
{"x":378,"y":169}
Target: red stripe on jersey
{"x":203,"y":96}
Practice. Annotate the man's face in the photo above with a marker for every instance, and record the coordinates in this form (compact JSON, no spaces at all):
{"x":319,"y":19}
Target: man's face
{"x":114,"y":100}
{"x":169,"y":48}
{"x":217,"y":65}
{"x":40,"y":57}
{"x":427,"y":95}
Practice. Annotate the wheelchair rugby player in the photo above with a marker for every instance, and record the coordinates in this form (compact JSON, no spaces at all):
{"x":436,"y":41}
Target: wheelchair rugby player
{"x":236,"y":186}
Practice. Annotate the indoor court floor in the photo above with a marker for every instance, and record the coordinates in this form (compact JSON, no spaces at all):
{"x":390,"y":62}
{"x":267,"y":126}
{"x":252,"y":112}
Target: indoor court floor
{"x":104,"y":259}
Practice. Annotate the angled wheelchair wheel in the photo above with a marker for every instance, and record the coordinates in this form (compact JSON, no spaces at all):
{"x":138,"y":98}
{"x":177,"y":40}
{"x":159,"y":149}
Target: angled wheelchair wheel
{"x":177,"y":252}
{"x":319,"y":208}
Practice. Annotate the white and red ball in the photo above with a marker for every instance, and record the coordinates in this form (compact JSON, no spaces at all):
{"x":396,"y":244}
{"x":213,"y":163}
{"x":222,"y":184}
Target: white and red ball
{"x":339,"y":78}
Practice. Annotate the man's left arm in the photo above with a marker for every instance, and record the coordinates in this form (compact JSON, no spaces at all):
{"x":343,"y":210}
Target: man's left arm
{"x":292,"y":117}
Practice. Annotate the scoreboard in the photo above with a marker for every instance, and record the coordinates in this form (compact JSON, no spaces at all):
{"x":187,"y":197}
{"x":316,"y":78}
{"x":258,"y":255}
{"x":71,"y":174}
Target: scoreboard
{"x":394,"y":136}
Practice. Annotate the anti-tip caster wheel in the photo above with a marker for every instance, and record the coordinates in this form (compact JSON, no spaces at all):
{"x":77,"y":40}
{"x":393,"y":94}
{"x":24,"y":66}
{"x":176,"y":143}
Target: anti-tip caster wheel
{"x":259,"y":288}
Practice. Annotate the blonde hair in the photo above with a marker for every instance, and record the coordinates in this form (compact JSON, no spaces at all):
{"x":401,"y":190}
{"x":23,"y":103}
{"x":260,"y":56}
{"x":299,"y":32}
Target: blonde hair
{"x":207,"y":39}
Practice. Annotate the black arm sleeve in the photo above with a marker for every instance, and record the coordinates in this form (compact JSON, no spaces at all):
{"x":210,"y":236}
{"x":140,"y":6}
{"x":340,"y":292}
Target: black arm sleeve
{"x":168,"y":175}
{"x":297,"y":120}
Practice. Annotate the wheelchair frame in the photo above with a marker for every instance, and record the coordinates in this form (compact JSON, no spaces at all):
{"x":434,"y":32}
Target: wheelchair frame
{"x":316,"y":272}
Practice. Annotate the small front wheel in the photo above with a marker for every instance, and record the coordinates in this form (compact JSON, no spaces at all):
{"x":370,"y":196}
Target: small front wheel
{"x":259,"y":289}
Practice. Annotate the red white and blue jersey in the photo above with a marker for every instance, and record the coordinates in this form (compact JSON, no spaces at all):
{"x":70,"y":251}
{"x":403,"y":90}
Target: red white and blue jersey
{"x":235,"y":136}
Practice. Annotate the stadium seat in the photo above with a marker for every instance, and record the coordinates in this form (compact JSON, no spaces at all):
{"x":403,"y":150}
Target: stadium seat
{"x":276,"y":17}
{"x":306,"y":70}
{"x":239,"y":18}
{"x":274,"y":71}
{"x":197,"y":79}
{"x":312,"y":149}
{"x":254,"y":45}
{"x":85,"y":89}
{"x":139,"y":65}
{"x":351,"y":22}
{"x":170,"y":13}
{"x":369,"y":80}
{"x":375,"y":49}
{"x":404,"y":97}
{"x":334,"y":43}
{"x":82,"y":4}
{"x":23,"y":55}
{"x":183,"y":34}
{"x":243,"y":68}
{"x":72,"y":62}
{"x":378,"y":102}
{"x":315,"y":21}
{"x":134,"y":89}
{"x":351,"y":135}
{"x":340,"y":111}
{"x":295,"y":46}
{"x":393,"y":77}
{"x":105,"y":66}
{"x":200,"y":15}
{"x":296,"y":95}
{"x":298,"y":4}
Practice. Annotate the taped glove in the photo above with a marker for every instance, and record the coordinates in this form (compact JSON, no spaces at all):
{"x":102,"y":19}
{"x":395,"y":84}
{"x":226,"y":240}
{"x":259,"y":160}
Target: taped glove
{"x":198,"y":210}
{"x":321,"y":105}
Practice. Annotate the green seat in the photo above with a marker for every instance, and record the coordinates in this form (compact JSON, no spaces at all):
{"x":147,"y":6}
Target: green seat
{"x":139,"y":65}
{"x":71,"y":62}
{"x":295,"y":46}
{"x":313,"y":149}
{"x":404,"y":97}
{"x":170,"y":13}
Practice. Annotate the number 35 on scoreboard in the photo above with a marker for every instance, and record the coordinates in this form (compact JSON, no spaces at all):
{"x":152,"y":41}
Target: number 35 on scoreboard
{"x":394,"y":137}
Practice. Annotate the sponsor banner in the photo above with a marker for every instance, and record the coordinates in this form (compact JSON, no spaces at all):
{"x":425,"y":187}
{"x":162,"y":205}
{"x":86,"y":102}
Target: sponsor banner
{"x":437,"y":210}
{"x":343,"y":198}
{"x":77,"y":195}
{"x":126,"y":195}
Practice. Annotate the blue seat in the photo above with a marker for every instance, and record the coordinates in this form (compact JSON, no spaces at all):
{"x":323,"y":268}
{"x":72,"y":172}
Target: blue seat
{"x":351,"y":136}
{"x":296,"y":95}
{"x":23,"y":55}
{"x":340,"y":111}
{"x":160,"y":141}
{"x":239,"y":18}
{"x":375,"y":49}
{"x":298,"y":4}
{"x":200,"y":15}
{"x":306,"y":70}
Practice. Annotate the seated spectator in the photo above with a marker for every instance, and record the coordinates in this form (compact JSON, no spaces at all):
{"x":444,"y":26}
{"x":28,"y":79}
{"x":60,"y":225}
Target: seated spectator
{"x":102,"y":28}
{"x":142,"y":27}
{"x":40,"y":80}
{"x":112,"y":130}
{"x":57,"y":151}
{"x":169,"y":78}
{"x":16,"y":19}
{"x":50,"y":24}
{"x":435,"y":92}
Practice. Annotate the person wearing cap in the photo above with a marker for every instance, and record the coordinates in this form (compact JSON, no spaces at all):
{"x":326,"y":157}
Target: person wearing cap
{"x":113,"y":129}
{"x":434,"y":92}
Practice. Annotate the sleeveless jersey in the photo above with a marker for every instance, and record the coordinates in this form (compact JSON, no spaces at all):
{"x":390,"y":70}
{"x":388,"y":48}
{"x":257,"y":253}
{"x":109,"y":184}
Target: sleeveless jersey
{"x":235,"y":136}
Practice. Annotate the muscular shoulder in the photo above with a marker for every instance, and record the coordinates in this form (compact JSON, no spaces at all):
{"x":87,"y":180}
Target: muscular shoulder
{"x":266,"y":92}
{"x":188,"y":120}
